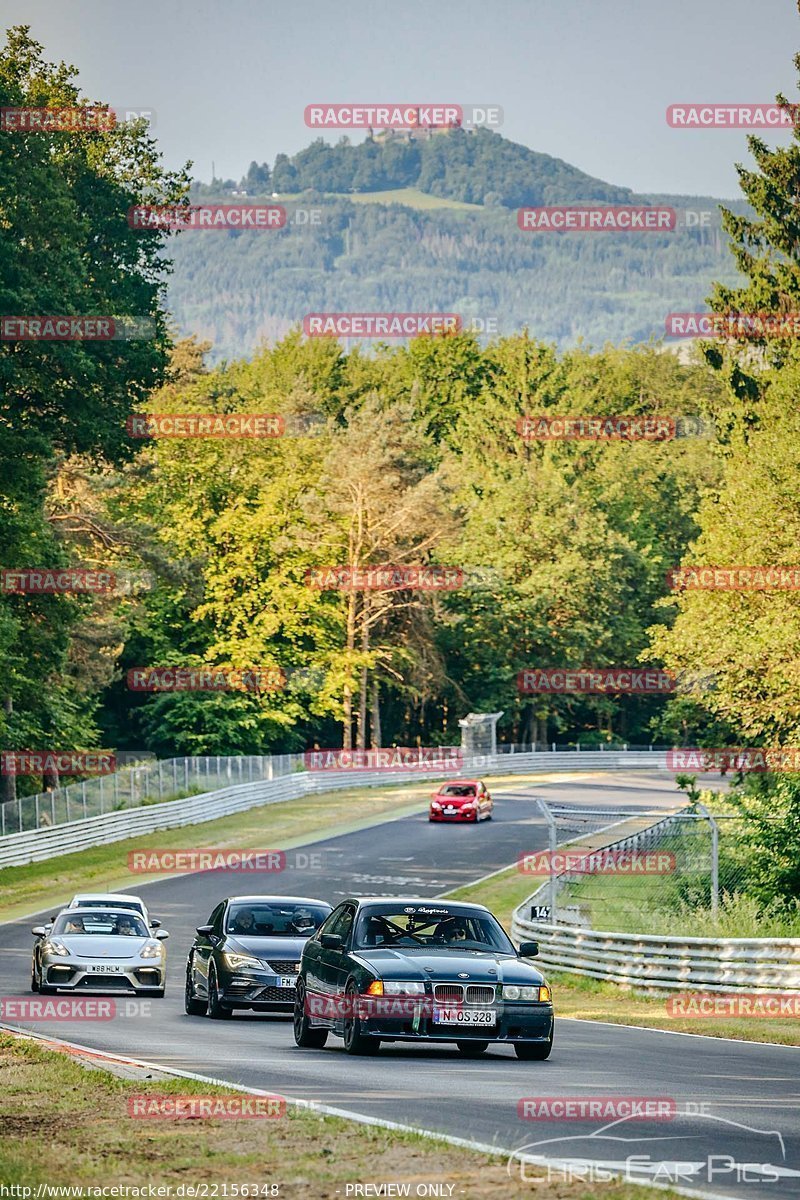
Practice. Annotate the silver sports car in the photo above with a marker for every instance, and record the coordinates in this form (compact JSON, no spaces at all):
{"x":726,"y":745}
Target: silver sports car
{"x":99,"y":950}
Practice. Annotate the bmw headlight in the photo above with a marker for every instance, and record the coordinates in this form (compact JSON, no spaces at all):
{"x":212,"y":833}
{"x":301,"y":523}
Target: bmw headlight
{"x":513,"y":991}
{"x":55,"y":948}
{"x":242,"y":962}
{"x":402,"y":987}
{"x":150,"y":950}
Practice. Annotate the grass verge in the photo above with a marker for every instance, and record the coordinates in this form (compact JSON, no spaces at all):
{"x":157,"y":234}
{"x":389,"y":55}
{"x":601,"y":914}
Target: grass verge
{"x":594,"y":1000}
{"x":64,"y":1125}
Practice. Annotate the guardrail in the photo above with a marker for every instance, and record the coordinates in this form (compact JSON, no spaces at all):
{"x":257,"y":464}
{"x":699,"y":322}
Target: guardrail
{"x":651,"y":962}
{"x":34,"y":845}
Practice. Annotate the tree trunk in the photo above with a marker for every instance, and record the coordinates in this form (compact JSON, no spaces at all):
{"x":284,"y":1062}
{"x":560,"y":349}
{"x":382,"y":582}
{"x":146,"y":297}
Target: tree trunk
{"x":376,"y":714}
{"x":362,"y":692}
{"x":8,"y":783}
{"x":347,"y":697}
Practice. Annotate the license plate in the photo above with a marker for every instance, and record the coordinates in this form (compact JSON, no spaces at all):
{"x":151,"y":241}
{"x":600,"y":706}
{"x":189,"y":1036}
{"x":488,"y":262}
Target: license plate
{"x":105,"y":969}
{"x":287,"y":981}
{"x":449,"y":809}
{"x":464,"y":1016}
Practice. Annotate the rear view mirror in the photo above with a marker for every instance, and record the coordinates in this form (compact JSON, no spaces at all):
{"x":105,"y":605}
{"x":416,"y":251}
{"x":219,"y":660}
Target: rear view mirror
{"x":38,"y":931}
{"x":528,"y":950}
{"x":162,"y":935}
{"x":331,"y":941}
{"x":154,"y":924}
{"x":204,"y":930}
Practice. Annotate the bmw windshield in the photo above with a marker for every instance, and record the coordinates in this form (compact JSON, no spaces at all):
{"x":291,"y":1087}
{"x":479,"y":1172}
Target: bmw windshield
{"x":407,"y":926}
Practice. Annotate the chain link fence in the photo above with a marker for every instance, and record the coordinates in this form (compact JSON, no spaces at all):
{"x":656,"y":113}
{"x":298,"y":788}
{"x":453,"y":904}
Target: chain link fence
{"x":659,"y":873}
{"x":139,"y":784}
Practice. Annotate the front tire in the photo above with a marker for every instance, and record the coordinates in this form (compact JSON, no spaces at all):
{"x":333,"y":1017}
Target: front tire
{"x":355,"y":1042}
{"x":472,"y":1049}
{"x":216,"y":1009}
{"x":192,"y":1006}
{"x":533,"y":1051}
{"x":34,"y":980}
{"x":304,"y":1034}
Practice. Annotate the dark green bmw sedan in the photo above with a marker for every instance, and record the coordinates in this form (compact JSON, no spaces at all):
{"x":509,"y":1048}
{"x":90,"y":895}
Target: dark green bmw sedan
{"x":381,"y":969}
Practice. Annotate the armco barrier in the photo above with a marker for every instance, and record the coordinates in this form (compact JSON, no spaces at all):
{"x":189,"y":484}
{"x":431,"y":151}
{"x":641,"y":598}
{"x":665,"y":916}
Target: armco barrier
{"x":34,"y":845}
{"x":657,"y":963}
{"x":661,"y":964}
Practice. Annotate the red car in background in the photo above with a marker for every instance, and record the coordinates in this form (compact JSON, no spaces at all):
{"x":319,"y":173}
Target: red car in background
{"x":461,"y":800}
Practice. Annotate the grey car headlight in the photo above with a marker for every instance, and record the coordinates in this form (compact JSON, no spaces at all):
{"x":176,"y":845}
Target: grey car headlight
{"x":150,"y":950}
{"x":55,"y":948}
{"x":239,"y":962}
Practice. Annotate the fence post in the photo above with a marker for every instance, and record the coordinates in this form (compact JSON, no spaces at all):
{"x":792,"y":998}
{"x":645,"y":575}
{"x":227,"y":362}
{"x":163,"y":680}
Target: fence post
{"x":714,"y":858}
{"x":19,"y":812}
{"x":553,"y":842}
{"x":102,"y":796}
{"x":66,"y":800}
{"x":53,"y":806}
{"x":2,"y":820}
{"x":116,"y":789}
{"x":160,"y":782}
{"x":186,"y":773}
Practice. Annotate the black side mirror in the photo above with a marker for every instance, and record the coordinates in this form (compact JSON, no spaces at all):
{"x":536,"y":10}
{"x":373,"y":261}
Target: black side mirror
{"x":204,"y":930}
{"x":331,"y":941}
{"x":528,"y":950}
{"x":38,"y":931}
{"x":154,"y":924}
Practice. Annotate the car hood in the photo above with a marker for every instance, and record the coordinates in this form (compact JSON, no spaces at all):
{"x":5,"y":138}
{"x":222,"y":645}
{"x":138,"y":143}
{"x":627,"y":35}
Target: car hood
{"x":456,"y":801}
{"x":449,"y":964}
{"x":279,"y":948}
{"x":101,"y":946}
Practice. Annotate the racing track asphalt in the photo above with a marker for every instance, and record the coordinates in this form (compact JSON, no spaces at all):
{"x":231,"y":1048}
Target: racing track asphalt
{"x":751,"y":1091}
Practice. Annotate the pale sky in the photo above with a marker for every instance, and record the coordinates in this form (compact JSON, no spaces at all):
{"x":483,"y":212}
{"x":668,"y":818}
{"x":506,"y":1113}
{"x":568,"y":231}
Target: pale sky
{"x":585,"y":80}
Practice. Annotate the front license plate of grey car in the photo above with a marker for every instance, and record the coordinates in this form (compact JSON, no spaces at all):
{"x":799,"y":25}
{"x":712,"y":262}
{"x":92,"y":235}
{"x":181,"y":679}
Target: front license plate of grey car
{"x":287,"y":981}
{"x":105,"y":969}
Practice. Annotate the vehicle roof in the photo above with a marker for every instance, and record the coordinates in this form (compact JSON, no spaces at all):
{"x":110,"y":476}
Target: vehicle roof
{"x":445,"y":782}
{"x":426,"y":901}
{"x":275,"y":900}
{"x":103,"y":895}
{"x":120,"y":912}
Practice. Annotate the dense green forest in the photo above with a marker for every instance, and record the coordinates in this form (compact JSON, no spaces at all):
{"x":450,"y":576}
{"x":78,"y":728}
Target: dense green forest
{"x":393,"y":253}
